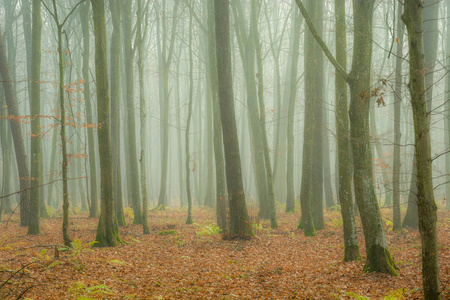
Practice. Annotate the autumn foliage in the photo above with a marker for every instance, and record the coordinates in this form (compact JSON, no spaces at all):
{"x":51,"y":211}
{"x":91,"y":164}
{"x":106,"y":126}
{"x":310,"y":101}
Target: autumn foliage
{"x":179,"y":261}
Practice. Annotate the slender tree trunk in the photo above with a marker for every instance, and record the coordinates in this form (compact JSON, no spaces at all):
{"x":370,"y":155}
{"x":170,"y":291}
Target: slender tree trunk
{"x":84,"y":16}
{"x":431,"y":34}
{"x":140,"y":36}
{"x":447,"y":110}
{"x":108,"y":229}
{"x":239,"y":220}
{"x":351,"y":251}
{"x":307,"y":221}
{"x":413,"y":19}
{"x":130,"y":110}
{"x":397,"y":221}
{"x":115,"y":7}
{"x":188,"y":126}
{"x":290,"y":197}
{"x":33,"y":226}
{"x":317,"y":126}
{"x":221,"y":205}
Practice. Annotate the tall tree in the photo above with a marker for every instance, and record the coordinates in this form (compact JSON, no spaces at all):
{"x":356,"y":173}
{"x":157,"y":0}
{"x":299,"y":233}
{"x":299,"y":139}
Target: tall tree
{"x":397,"y":222}
{"x":188,"y":125}
{"x":140,"y":40}
{"x":33,"y":226}
{"x":413,"y":18}
{"x":351,"y":251}
{"x":84,"y":18}
{"x":431,"y":35}
{"x":115,"y":6}
{"x":306,"y":192}
{"x":166,"y":61}
{"x":108,"y":230}
{"x":239,"y":220}
{"x":378,"y":257}
{"x":221,"y":205}
{"x":14,"y":121}
{"x":290,"y":198}
{"x":130,"y":109}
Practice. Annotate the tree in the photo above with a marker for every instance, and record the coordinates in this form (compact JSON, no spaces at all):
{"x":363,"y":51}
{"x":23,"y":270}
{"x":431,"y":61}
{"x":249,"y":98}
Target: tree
{"x":413,"y":18}
{"x":431,"y":35}
{"x":239,"y":220}
{"x":84,"y":18}
{"x":108,"y":229}
{"x":351,"y":251}
{"x":35,"y":97}
{"x":130,"y":109}
{"x":378,"y":257}
{"x":221,"y":205}
{"x":14,"y":122}
{"x":115,"y":8}
{"x":397,"y":222}
{"x":140,"y":38}
{"x":62,"y":108}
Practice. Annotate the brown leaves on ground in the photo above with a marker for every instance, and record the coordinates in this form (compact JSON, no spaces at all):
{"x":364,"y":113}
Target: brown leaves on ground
{"x":179,"y":261}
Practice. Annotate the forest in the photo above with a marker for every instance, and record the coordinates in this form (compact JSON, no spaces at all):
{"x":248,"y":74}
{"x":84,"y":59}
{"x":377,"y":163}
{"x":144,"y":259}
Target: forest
{"x":224,"y":149}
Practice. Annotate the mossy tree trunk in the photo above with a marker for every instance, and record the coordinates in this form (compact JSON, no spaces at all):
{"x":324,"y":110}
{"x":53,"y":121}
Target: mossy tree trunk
{"x":108,"y":230}
{"x":431,"y":36}
{"x":378,"y":256}
{"x":33,"y":226}
{"x":413,"y":19}
{"x":351,"y":251}
{"x":239,"y":220}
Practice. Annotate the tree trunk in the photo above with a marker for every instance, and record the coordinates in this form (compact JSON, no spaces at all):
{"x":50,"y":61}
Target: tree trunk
{"x":130,"y":110}
{"x":115,"y":7}
{"x":431,"y":35}
{"x":188,"y":126}
{"x":221,"y":204}
{"x":140,"y":36}
{"x":108,"y":229}
{"x":351,"y":251}
{"x":413,"y":19}
{"x":84,"y":16}
{"x":397,"y":221}
{"x":290,"y":196}
{"x":35,"y":98}
{"x":239,"y":220}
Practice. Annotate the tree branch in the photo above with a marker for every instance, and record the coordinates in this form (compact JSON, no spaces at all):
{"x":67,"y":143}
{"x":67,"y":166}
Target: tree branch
{"x":321,"y":43}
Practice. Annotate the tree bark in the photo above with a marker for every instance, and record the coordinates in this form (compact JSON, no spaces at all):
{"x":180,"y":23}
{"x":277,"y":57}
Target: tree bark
{"x":108,"y":229}
{"x":413,"y":18}
{"x":239,"y":220}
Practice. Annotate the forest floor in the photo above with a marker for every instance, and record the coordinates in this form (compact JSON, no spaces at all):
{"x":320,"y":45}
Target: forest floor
{"x":179,"y":261}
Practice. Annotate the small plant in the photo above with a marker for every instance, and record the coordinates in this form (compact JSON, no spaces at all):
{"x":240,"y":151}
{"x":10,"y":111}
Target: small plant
{"x":78,"y":246}
{"x":207,"y":230}
{"x":395,"y":295}
{"x":356,"y":296}
{"x":82,"y":291}
{"x":336,"y":223}
{"x":167,"y":232}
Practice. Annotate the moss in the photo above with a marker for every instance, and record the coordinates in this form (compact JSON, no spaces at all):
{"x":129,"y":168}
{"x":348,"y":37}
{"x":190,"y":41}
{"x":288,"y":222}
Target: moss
{"x":380,"y":260}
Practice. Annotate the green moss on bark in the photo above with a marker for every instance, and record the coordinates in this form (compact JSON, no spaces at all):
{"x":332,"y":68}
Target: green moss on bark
{"x":379,"y":259}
